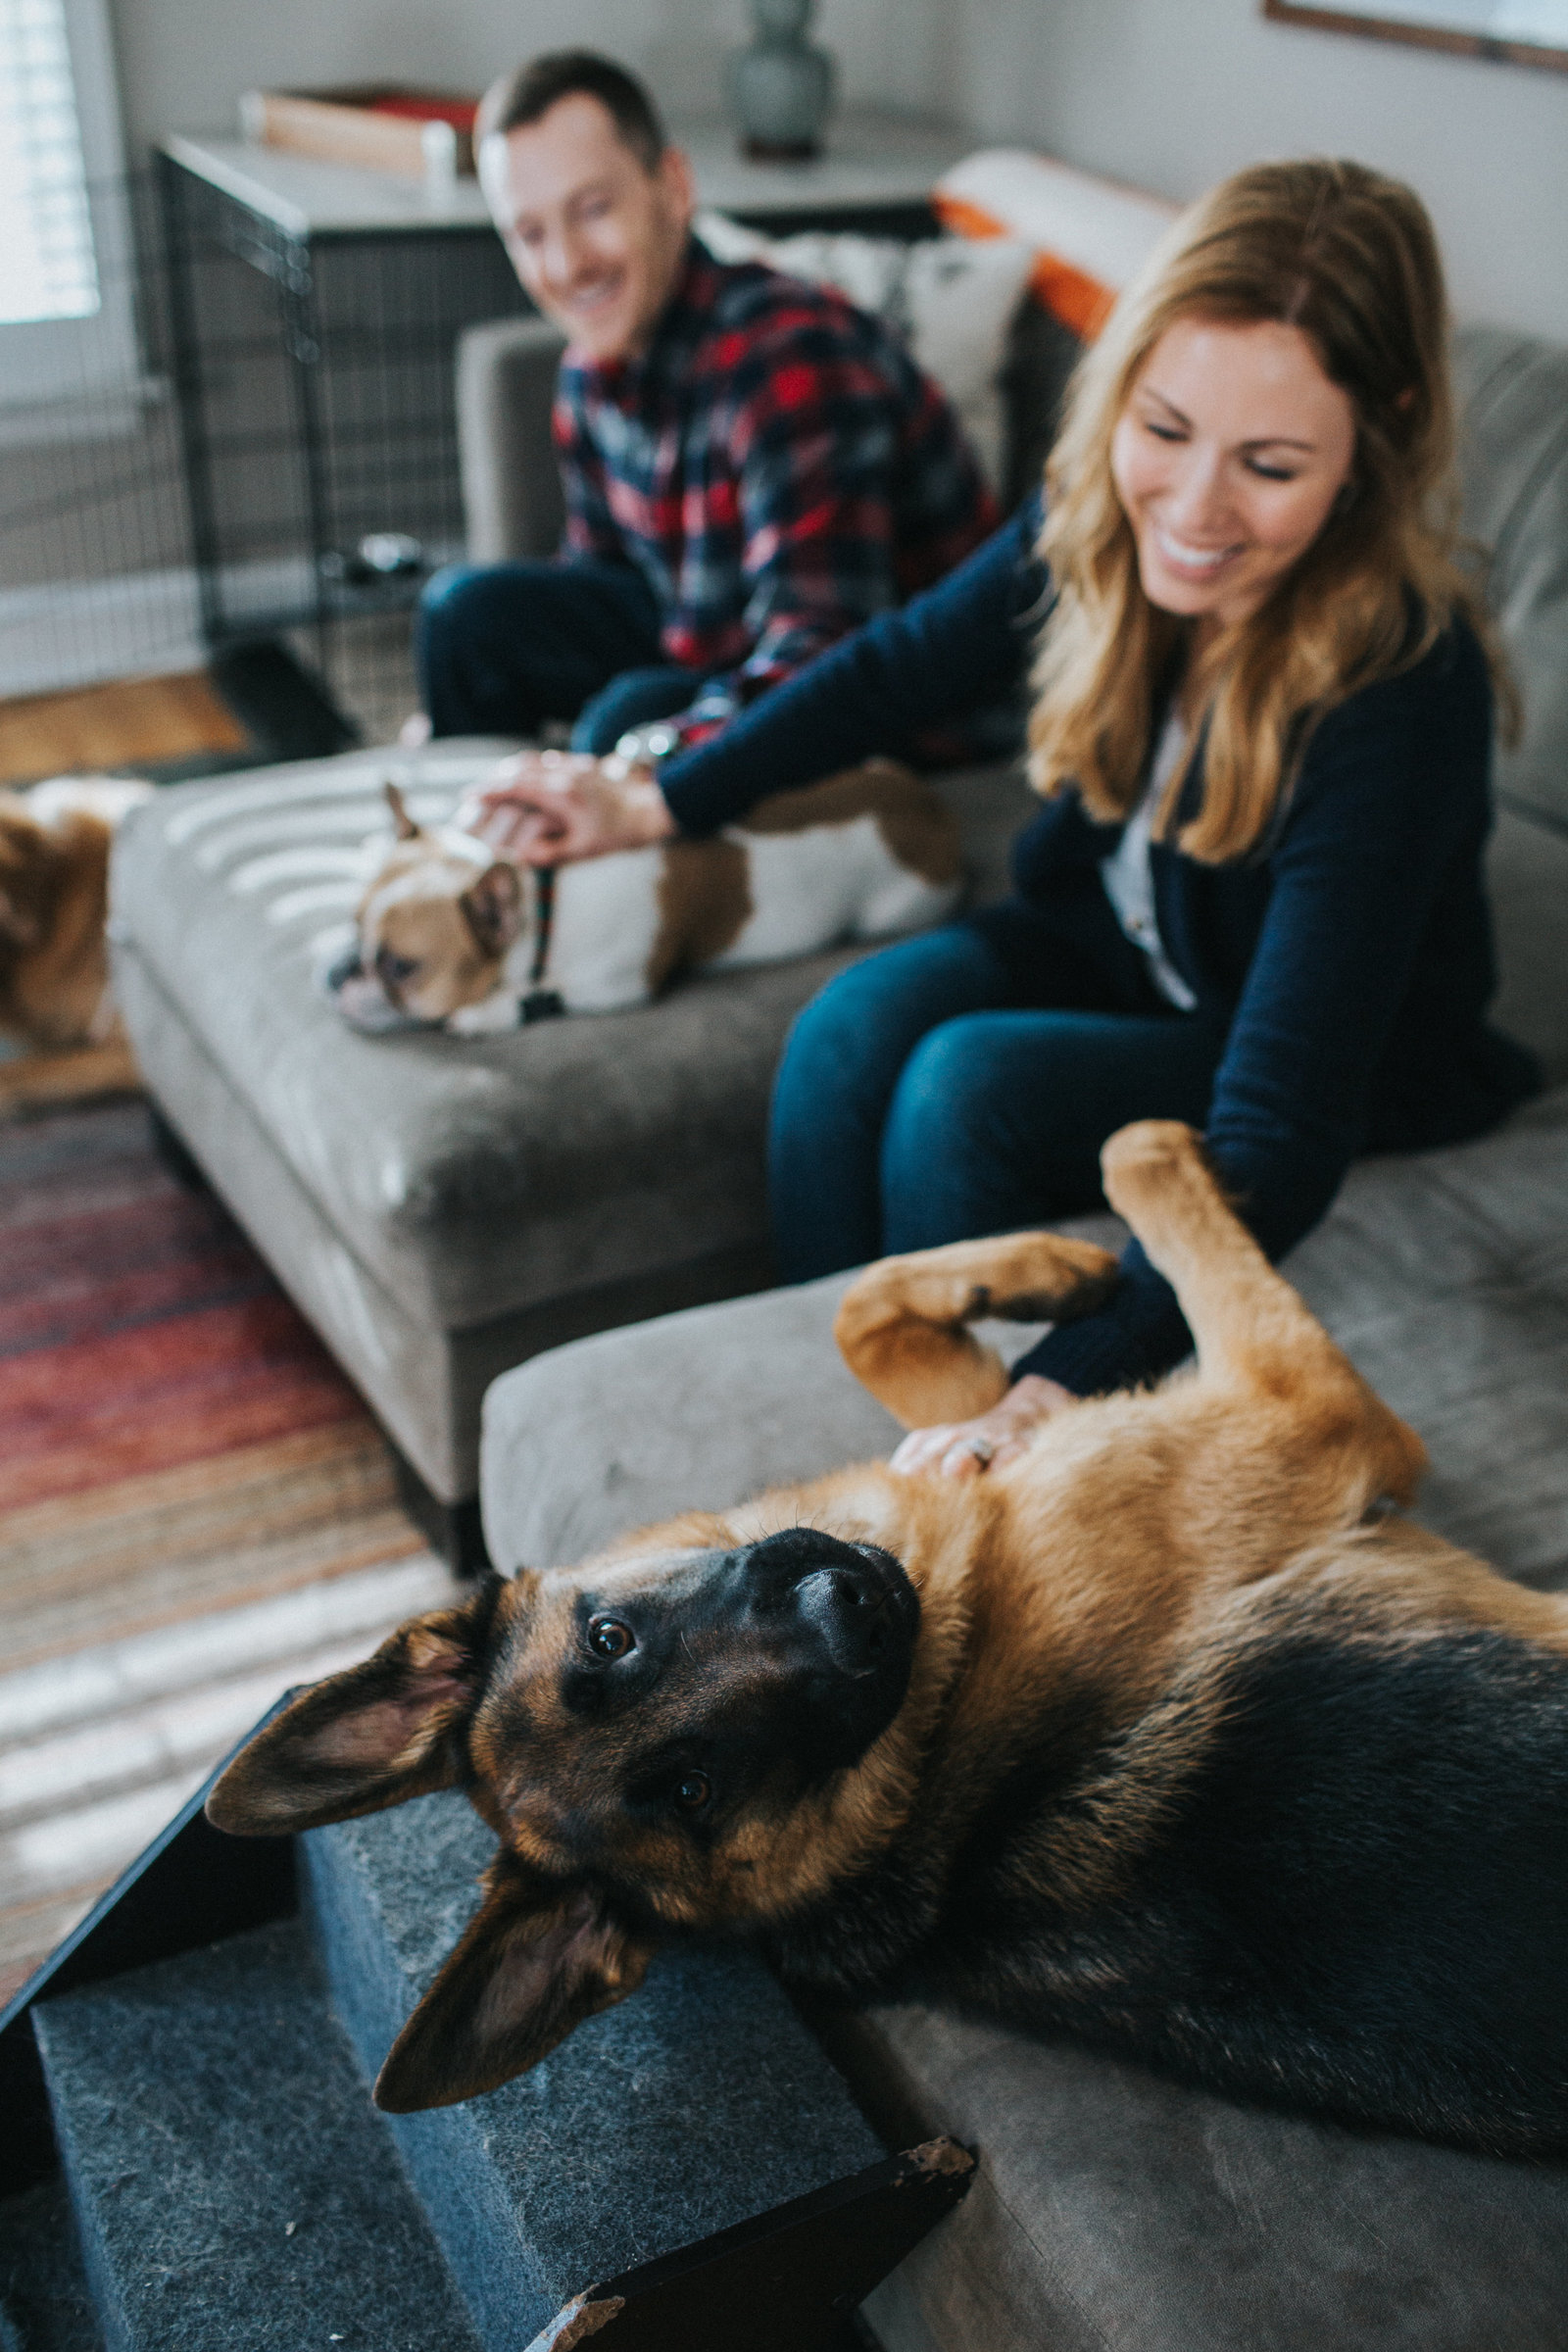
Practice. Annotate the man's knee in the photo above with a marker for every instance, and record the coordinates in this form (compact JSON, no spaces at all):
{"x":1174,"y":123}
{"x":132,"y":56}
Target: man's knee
{"x":851,"y":1024}
{"x":486,"y":644}
{"x":955,"y":1081}
{"x":632,"y":700}
{"x":468,"y":600}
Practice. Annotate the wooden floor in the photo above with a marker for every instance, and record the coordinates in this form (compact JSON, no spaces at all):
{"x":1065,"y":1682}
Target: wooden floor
{"x":131,"y":722}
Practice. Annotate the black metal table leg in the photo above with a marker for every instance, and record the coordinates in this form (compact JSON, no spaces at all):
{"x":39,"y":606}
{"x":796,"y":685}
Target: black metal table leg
{"x":174,"y":188}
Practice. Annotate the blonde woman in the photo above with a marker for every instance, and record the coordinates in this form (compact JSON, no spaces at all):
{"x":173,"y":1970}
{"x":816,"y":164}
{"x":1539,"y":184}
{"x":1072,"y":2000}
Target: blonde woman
{"x":1261,"y":729}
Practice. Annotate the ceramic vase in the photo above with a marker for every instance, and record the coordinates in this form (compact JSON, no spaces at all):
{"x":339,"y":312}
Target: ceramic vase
{"x":781,"y":84}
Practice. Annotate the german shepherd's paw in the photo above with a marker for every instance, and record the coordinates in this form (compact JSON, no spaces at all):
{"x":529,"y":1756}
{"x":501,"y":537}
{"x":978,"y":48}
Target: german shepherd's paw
{"x":1136,"y":1160}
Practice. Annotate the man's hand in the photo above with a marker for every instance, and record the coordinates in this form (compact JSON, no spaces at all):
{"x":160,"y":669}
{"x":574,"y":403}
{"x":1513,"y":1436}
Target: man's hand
{"x":548,"y":808}
{"x":963,"y":1448}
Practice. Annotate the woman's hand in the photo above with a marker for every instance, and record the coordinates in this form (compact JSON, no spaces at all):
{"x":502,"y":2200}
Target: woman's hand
{"x":548,"y":808}
{"x":963,"y":1448}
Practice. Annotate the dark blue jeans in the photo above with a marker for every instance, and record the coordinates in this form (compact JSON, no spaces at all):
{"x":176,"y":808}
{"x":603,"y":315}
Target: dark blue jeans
{"x":503,"y":647}
{"x":920,"y":1102}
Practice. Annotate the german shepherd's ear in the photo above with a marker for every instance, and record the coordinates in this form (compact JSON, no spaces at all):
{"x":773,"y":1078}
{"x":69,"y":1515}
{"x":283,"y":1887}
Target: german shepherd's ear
{"x":368,"y":1738}
{"x":494,"y":907}
{"x":538,"y":1958}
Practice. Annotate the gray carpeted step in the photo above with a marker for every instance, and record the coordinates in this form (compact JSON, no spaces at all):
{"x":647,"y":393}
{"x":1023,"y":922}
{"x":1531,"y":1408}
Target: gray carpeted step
{"x":44,"y":2302}
{"x":234,"y":2190}
{"x":699,"y":2103}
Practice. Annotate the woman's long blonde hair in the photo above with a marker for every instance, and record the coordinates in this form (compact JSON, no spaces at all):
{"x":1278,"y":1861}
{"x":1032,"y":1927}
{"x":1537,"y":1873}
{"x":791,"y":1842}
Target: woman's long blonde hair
{"x":1351,"y":258}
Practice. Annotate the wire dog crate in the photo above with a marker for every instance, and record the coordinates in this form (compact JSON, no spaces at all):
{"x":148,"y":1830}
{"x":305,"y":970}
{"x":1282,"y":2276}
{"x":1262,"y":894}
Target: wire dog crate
{"x":95,"y":561}
{"x":260,"y":445}
{"x":315,"y":391}
{"x":273,"y":456}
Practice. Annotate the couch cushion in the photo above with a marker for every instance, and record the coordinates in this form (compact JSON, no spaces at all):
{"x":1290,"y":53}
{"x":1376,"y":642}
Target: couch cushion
{"x":1513,"y":465}
{"x":1111,"y":2209}
{"x":689,"y":1412}
{"x":513,"y":503}
{"x":471,"y":1176}
{"x":1527,"y":873}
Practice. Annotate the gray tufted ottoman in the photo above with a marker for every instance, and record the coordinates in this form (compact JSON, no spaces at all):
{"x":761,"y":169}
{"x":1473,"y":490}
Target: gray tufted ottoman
{"x":442,"y":1208}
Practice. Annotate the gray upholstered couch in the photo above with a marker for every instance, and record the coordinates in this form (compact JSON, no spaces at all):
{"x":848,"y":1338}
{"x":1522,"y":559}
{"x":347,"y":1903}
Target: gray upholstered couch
{"x":1113,"y":2209}
{"x":441,"y":1208}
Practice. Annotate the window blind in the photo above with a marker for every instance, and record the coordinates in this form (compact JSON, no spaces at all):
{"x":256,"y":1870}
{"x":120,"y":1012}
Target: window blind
{"x":47,"y":265}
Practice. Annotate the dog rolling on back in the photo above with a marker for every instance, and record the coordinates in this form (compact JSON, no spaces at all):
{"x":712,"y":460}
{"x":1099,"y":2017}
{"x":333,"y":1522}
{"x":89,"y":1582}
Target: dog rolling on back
{"x":448,"y":933}
{"x":1173,"y":1734}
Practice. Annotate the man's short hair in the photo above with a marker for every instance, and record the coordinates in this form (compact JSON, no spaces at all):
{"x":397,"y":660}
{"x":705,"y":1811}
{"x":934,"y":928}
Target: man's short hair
{"x":528,"y":93}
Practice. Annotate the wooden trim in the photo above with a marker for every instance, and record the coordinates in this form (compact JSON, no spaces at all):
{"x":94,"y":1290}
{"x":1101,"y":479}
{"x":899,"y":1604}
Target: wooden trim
{"x":1418,"y":36}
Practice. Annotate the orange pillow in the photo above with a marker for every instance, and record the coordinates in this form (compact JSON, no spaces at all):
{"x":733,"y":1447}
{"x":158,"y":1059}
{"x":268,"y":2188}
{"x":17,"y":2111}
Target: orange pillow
{"x":1089,"y":235}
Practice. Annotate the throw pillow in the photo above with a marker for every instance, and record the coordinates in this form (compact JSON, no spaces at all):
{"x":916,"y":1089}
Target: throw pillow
{"x":1090,"y":237}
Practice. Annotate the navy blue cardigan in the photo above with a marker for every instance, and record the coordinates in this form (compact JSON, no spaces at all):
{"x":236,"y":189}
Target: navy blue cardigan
{"x":1347,"y":963}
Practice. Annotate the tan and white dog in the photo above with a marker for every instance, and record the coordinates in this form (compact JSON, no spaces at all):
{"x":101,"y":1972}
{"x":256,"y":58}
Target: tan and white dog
{"x":56,"y":1000}
{"x":449,"y":934}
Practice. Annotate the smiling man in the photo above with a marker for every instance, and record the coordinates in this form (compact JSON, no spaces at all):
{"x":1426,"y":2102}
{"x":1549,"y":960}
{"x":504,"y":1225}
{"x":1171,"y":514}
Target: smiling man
{"x":752,"y":466}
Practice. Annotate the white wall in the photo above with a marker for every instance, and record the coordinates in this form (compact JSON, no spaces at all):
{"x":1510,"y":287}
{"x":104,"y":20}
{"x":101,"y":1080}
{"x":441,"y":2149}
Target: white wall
{"x":1170,"y":94}
{"x":182,"y":62}
{"x":1173,"y":94}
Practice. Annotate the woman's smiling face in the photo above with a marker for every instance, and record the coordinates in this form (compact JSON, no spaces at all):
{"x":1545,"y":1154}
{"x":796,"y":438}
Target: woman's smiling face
{"x":1227,"y":458}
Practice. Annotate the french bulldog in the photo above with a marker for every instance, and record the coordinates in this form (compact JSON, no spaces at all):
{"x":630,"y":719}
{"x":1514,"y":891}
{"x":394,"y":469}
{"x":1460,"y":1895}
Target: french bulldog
{"x":449,"y":935}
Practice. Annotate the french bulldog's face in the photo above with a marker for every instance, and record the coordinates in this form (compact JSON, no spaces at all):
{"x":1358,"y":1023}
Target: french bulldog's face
{"x":434,"y":929}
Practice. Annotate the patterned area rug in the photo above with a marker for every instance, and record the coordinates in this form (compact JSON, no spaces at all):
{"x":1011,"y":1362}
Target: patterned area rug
{"x":195,"y":1509}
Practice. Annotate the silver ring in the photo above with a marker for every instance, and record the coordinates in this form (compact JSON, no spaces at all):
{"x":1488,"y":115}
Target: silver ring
{"x":982,"y":1449}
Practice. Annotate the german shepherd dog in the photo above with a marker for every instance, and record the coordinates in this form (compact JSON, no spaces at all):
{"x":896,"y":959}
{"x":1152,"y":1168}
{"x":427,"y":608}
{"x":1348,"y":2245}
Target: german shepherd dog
{"x":1172,"y":1734}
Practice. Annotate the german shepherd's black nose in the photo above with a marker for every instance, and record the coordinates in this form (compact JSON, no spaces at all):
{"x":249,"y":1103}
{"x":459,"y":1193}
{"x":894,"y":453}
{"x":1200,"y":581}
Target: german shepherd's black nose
{"x":854,"y":1600}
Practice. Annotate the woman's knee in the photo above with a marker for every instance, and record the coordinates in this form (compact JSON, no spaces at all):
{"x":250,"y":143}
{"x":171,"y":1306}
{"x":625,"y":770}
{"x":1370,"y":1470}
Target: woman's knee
{"x":865,"y":1021}
{"x":957,"y":1075}
{"x":832,"y":1065}
{"x":951,"y":1166}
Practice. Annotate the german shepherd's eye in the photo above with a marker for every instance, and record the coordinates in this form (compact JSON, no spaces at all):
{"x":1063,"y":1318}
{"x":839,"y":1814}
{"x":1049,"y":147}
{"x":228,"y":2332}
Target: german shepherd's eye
{"x":692,"y":1792}
{"x":607,"y":1637}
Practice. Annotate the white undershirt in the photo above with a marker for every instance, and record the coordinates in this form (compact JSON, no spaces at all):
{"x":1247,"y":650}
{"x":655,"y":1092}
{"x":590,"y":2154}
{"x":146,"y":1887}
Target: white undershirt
{"x":1129,"y":878}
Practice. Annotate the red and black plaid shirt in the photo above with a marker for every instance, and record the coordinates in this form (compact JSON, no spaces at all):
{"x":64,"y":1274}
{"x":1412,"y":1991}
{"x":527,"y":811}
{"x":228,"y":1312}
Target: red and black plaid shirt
{"x":777,"y":467}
